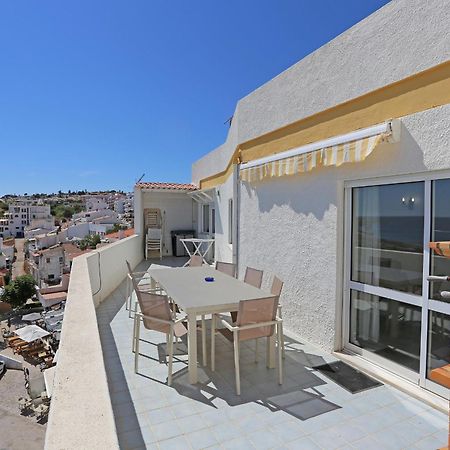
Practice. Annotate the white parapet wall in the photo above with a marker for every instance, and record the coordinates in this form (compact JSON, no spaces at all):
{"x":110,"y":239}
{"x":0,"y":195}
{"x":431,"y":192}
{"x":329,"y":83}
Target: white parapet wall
{"x":81,"y":415}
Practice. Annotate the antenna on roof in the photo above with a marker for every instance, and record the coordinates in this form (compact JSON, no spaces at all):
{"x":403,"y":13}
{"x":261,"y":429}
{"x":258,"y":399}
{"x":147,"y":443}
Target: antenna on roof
{"x":228,"y":121}
{"x":143,"y":175}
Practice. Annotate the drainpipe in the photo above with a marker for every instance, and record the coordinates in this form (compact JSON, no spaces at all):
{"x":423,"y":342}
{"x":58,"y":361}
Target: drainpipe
{"x":236,"y":202}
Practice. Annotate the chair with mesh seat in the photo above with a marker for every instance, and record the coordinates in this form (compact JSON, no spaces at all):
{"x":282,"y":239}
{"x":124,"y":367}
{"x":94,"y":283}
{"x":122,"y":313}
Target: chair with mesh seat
{"x":145,"y":283}
{"x":253,"y":277}
{"x":156,"y":314}
{"x":228,"y":268}
{"x":276,"y":288}
{"x":256,"y":319}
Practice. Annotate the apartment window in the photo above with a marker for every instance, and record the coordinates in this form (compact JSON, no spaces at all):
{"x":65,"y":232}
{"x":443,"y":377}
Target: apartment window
{"x":61,"y":259}
{"x":205,"y":217}
{"x":230,"y":221}
{"x":47,"y":260}
{"x":51,"y":276}
{"x":213,"y":220}
{"x":397,"y":318}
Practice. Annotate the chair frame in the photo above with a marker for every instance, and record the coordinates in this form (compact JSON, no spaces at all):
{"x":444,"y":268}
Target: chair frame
{"x":235,"y":330}
{"x":279,"y":313}
{"x":139,"y":276}
{"x":138,"y":317}
{"x":226,"y":264}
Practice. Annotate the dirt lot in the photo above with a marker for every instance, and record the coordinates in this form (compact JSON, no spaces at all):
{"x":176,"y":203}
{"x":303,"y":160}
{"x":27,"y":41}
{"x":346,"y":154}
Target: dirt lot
{"x":17,"y":432}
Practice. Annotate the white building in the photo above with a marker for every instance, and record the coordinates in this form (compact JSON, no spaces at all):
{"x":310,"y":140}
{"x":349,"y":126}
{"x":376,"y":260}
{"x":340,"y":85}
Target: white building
{"x":47,"y":266}
{"x":22,"y":215}
{"x":95,"y":202}
{"x":6,"y":255}
{"x":338,"y":187}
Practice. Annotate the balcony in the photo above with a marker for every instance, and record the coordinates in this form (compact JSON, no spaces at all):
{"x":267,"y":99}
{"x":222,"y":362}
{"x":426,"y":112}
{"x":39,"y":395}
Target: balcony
{"x":100,"y":402}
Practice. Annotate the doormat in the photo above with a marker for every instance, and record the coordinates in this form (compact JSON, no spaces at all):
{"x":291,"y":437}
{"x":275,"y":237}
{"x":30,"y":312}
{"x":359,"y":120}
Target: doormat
{"x":347,"y":377}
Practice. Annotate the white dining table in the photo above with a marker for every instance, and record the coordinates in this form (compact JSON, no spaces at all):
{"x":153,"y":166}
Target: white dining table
{"x":187,"y":287}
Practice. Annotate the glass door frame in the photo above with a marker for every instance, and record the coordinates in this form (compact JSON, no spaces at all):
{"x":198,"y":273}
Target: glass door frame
{"x":423,"y":301}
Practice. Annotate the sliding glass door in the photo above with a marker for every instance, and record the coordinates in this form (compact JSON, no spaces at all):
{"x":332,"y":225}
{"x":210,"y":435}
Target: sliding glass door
{"x":393,"y":316}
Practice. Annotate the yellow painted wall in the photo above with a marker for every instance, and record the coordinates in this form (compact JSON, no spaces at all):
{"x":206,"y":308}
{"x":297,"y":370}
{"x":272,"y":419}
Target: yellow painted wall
{"x":419,"y":92}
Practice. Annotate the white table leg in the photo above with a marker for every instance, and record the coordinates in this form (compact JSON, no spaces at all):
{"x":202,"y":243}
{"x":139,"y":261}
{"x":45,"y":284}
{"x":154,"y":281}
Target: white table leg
{"x":192,"y":348}
{"x":270,"y":358}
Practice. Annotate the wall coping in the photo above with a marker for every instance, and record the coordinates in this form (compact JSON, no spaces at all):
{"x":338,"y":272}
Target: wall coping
{"x":81,"y":413}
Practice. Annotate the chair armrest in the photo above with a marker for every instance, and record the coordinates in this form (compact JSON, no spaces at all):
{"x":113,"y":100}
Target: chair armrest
{"x":251,"y":326}
{"x":181,"y":318}
{"x":167,"y":322}
{"x":229,"y":326}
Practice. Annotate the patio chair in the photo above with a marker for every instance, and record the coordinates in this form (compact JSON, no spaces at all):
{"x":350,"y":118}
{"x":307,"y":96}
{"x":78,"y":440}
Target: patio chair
{"x":141,"y":277}
{"x":277,"y":286}
{"x":253,"y":277}
{"x":228,"y":268}
{"x":154,"y":242}
{"x":256,"y":319}
{"x":156,"y":315}
{"x":195,"y":261}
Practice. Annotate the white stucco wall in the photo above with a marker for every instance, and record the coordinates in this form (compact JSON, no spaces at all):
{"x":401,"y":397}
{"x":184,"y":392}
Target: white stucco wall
{"x":178,"y":209}
{"x":81,"y":415}
{"x":292,"y":226}
{"x":223,"y":249}
{"x":400,"y":39}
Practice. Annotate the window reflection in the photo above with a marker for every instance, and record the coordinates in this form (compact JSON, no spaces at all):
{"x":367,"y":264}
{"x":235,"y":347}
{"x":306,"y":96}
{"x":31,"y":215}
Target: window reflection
{"x":387,"y":241}
{"x":438,"y":343}
{"x":440,"y":231}
{"x":386,"y":327}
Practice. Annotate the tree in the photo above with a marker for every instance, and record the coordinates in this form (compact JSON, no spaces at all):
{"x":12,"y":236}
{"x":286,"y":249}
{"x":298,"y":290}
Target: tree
{"x":19,"y":291}
{"x":116,"y":227}
{"x":90,"y":241}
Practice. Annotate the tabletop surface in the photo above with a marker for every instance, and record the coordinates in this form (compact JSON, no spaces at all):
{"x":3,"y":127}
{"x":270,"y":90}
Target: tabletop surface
{"x":196,"y":240}
{"x":188,"y":288}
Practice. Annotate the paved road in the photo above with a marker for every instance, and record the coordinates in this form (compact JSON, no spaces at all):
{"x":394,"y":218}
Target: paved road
{"x":20,"y":257}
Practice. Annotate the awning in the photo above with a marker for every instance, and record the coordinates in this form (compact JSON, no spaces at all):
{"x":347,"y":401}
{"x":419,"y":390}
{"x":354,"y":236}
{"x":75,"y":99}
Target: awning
{"x":204,"y":196}
{"x":338,"y":150}
{"x":31,"y":333}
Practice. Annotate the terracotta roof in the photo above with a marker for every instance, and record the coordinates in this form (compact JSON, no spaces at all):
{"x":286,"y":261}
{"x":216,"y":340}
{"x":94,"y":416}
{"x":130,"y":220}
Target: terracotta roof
{"x":126,"y":233}
{"x":73,"y":251}
{"x":167,"y":186}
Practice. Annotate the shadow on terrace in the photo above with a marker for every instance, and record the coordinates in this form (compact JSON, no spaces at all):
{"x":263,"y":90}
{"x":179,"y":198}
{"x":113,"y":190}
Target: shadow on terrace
{"x":307,"y":411}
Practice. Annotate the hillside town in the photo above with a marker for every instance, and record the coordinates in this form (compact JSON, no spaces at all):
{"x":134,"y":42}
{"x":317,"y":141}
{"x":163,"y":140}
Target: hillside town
{"x":40,"y":236}
{"x":52,"y":233}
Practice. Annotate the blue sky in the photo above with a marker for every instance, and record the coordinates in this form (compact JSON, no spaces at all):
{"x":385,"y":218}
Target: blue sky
{"x":95,"y":93}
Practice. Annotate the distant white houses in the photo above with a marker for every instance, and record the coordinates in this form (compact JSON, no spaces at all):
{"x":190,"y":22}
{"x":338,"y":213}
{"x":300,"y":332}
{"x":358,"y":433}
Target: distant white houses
{"x":47,"y":265}
{"x":6,"y":255}
{"x":95,"y":202}
{"x":24,"y":214}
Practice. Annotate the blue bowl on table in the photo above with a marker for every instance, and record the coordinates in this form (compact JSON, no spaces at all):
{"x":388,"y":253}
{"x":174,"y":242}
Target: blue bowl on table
{"x":209,"y":279}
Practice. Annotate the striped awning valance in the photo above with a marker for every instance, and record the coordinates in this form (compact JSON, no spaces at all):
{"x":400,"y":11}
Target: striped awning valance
{"x":353,"y":147}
